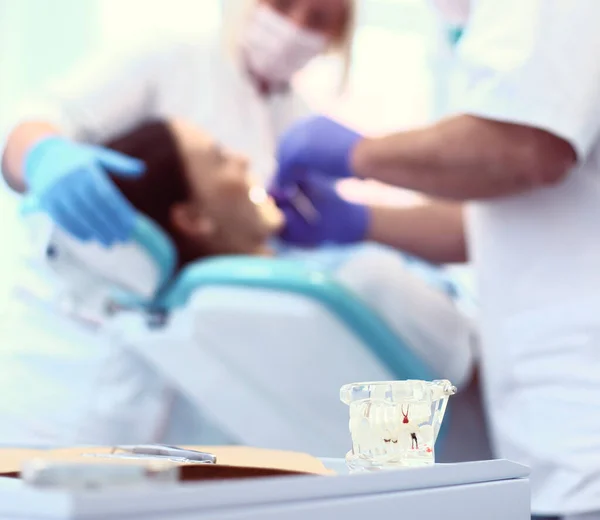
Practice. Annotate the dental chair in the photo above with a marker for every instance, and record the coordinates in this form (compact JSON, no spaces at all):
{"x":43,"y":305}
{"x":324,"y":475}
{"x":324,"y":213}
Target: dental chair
{"x":260,"y":345}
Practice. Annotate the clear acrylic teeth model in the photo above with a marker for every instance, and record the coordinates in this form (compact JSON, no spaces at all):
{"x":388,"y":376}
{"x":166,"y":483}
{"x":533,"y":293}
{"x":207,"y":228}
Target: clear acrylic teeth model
{"x":395,"y":424}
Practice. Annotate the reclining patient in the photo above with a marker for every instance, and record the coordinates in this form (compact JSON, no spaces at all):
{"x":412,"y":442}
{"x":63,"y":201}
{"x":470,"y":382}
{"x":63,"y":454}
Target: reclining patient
{"x":204,"y":197}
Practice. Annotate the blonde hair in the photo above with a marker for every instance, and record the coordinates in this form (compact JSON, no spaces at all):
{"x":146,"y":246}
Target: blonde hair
{"x":234,"y":23}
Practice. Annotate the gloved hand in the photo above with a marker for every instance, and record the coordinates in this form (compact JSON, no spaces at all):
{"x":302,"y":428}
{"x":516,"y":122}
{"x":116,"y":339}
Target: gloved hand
{"x":69,"y":182}
{"x":337,"y":220}
{"x":316,"y":143}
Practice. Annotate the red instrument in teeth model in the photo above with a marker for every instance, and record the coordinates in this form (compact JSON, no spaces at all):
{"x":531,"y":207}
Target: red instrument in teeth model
{"x":405,"y":415}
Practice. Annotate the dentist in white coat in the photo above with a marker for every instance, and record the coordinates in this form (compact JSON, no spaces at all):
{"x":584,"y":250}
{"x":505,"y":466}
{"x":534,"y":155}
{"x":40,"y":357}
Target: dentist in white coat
{"x":520,"y":146}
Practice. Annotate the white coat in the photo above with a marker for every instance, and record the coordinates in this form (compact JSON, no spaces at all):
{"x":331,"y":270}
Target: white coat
{"x":537,"y":255}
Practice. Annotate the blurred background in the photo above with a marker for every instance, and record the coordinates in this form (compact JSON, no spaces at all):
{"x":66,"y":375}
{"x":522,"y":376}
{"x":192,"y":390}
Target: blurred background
{"x":391,"y":86}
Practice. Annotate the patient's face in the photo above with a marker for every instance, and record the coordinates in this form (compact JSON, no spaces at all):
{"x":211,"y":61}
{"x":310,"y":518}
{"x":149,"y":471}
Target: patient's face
{"x":229,"y":213}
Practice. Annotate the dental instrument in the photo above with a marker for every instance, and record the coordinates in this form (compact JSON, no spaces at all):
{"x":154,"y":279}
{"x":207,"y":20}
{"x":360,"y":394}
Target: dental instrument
{"x":295,"y":196}
{"x":304,"y":205}
{"x":169,"y":451}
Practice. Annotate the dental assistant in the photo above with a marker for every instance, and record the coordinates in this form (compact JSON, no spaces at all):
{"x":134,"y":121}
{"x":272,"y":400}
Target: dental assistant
{"x":520,"y":150}
{"x":241,"y":95}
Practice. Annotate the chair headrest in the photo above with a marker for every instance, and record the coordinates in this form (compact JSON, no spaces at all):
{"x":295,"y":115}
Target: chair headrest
{"x":136,"y":270}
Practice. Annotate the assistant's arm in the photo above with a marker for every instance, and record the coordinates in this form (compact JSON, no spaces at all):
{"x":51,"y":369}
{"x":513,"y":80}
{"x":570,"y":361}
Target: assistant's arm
{"x":19,"y":143}
{"x":107,"y":95}
{"x":433,"y":231}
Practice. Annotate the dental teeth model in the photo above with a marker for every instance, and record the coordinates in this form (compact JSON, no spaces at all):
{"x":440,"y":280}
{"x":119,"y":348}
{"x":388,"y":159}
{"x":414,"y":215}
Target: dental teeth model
{"x":394,"y":424}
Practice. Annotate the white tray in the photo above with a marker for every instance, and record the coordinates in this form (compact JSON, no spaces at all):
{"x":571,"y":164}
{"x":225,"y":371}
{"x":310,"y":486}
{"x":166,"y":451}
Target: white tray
{"x":481,"y":481}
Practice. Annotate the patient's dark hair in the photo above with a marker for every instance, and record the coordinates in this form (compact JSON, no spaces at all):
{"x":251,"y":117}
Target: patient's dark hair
{"x":164,"y":182}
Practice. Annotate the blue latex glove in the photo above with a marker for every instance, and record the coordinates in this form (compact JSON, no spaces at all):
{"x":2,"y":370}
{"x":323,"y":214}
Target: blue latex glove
{"x":337,"y":221}
{"x":69,"y":181}
{"x":316,"y":143}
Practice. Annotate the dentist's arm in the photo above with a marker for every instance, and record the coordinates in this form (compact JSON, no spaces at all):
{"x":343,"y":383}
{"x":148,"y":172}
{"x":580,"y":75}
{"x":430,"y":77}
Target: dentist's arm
{"x":466,"y":158}
{"x":461,"y":158}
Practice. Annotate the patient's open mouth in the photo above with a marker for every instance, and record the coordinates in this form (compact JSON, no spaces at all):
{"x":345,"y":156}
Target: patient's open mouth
{"x":258,"y":195}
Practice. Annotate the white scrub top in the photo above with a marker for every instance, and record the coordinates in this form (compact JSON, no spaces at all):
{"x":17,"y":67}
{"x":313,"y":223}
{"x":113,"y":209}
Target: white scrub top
{"x":537,"y":255}
{"x":198,"y":81}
